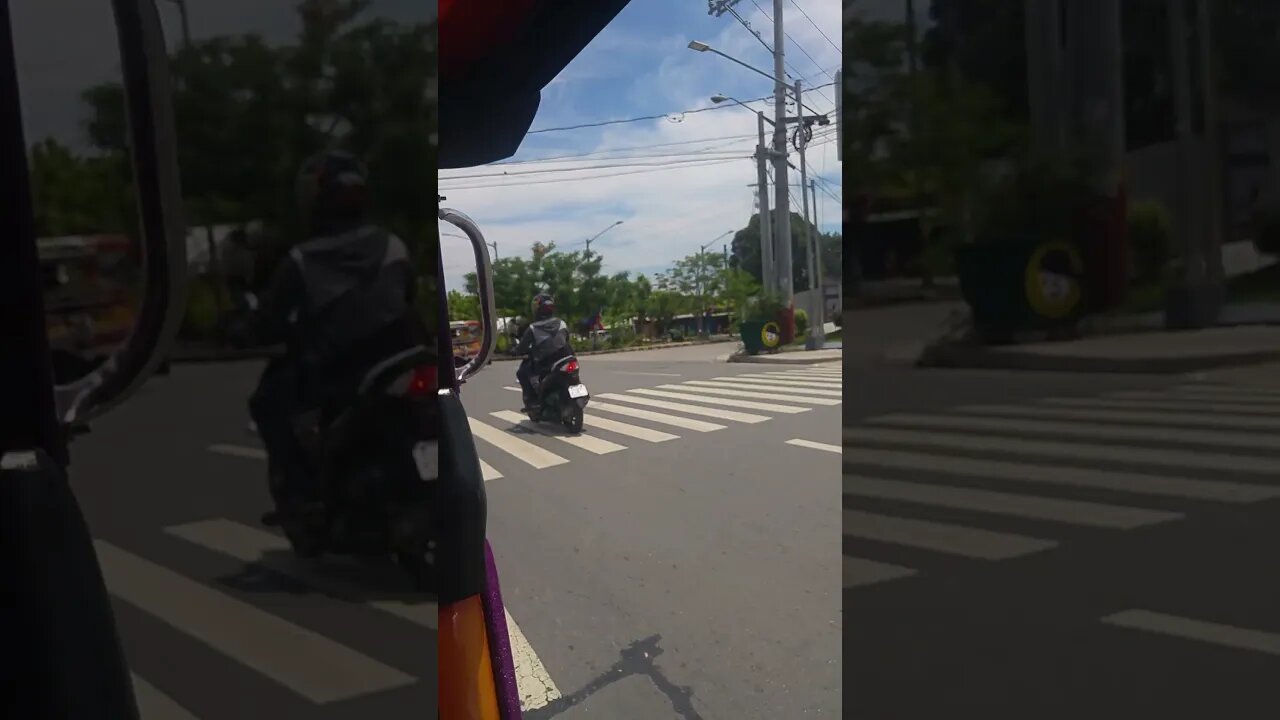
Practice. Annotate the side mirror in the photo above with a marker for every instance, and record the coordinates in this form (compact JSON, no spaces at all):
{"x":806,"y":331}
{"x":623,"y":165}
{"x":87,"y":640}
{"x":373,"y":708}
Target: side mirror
{"x":148,"y":96}
{"x":484,"y":287}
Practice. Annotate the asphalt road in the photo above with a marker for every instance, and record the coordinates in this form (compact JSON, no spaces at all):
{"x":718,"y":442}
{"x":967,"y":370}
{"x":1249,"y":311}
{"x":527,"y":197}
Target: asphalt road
{"x":675,"y":561}
{"x":679,"y":561}
{"x":219,"y":621}
{"x":1027,"y":545}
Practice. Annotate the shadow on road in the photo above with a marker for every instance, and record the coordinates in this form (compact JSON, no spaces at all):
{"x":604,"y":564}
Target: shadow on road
{"x":636,"y":659}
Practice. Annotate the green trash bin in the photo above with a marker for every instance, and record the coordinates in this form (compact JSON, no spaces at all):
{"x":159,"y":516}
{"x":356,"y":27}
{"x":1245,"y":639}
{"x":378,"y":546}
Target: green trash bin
{"x":760,"y":336}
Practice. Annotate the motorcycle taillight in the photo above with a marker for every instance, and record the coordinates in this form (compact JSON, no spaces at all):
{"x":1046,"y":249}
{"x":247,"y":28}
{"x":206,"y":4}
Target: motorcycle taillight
{"x":571,"y":366}
{"x":424,"y":382}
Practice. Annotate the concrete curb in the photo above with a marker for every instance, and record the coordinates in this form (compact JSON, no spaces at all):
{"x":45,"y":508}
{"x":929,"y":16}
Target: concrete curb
{"x":779,"y":359}
{"x":980,"y":358}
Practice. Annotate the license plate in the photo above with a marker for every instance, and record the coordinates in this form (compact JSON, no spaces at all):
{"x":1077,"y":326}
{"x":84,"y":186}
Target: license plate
{"x":427,"y":460}
{"x":577,"y":391}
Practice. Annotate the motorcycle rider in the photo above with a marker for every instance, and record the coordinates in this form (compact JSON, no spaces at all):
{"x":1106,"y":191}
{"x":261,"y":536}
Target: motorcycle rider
{"x":544,"y":340}
{"x":341,"y":301}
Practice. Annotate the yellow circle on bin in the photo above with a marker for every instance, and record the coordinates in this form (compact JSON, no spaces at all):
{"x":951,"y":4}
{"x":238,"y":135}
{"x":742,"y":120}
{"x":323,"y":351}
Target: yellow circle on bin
{"x":1051,"y":292}
{"x":771,"y":335}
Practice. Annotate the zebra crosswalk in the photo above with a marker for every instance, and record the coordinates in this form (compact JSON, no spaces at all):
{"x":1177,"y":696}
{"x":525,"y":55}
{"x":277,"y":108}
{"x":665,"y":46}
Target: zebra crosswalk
{"x":313,"y":668}
{"x":617,"y":421}
{"x":1173,"y":449}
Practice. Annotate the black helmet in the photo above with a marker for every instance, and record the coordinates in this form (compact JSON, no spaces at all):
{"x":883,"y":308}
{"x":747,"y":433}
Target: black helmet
{"x":331,"y":189}
{"x":544,"y":306}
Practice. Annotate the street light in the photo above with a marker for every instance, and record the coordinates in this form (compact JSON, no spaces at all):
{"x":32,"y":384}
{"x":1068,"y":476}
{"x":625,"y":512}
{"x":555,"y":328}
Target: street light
{"x":597,"y":235}
{"x":717,"y":99}
{"x":699,"y":46}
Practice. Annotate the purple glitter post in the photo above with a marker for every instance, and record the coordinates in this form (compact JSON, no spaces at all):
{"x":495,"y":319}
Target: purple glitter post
{"x":500,"y":641}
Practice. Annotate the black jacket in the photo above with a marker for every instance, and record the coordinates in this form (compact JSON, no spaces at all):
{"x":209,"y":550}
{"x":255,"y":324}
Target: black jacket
{"x":331,"y":294}
{"x":544,"y":341}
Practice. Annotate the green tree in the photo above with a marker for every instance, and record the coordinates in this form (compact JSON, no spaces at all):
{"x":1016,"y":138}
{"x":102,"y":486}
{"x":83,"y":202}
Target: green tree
{"x":463,"y":306}
{"x":746,"y":248}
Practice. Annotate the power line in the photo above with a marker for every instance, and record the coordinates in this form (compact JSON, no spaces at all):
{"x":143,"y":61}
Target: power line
{"x":815,"y":25}
{"x":702,"y":163}
{"x":801,"y":49}
{"x":621,"y":149}
{"x":635,"y":119}
{"x":583,"y":168}
{"x":664,"y":115}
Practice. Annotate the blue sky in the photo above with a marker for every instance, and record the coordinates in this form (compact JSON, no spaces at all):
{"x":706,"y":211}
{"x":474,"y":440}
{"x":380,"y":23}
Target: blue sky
{"x":676,"y":182}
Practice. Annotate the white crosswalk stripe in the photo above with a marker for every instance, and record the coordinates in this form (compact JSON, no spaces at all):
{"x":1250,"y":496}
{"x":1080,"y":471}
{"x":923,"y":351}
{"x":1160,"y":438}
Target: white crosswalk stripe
{"x":826,"y":447}
{"x":785,"y":382}
{"x":796,"y":390}
{"x":1189,"y":445}
{"x":738,"y":393}
{"x":635,"y":431}
{"x":307,"y":663}
{"x":591,"y":444}
{"x":516,"y":447}
{"x":155,"y":705}
{"x":690,"y":397}
{"x":666,"y":419}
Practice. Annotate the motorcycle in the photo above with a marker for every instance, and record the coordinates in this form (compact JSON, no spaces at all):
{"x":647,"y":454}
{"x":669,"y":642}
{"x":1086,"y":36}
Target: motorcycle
{"x":374,"y":453}
{"x":561,"y":396}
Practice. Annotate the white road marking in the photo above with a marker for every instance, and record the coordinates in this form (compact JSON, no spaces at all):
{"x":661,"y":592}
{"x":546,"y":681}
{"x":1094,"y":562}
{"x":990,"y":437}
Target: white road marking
{"x":521,"y":449}
{"x":1039,"y":473}
{"x":586,"y":442}
{"x":1245,"y":422}
{"x":1191,"y":629}
{"x":1071,"y":512}
{"x":155,"y":705}
{"x":1263,"y":441}
{"x":532,"y":679}
{"x":635,"y":431}
{"x":675,"y":420}
{"x":1273,"y":402}
{"x":251,"y":545}
{"x":512,"y":388}
{"x":779,"y":383}
{"x":242,"y":451}
{"x":820,"y":380}
{"x":751,"y":385}
{"x":754,"y":395}
{"x":857,"y":572}
{"x":488,"y":471}
{"x":303,"y":661}
{"x":1233,"y":389}
{"x":653,"y":374}
{"x":1070,"y":451}
{"x":799,"y":442}
{"x":1172,"y":406}
{"x":805,"y":373}
{"x":938,"y":537}
{"x":710,"y":412}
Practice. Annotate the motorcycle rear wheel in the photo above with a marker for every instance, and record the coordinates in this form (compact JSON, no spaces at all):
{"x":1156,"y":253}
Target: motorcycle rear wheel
{"x":573,"y":420}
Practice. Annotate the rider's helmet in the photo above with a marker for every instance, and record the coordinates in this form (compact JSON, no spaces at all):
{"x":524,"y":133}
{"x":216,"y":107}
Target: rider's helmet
{"x":544,"y":306}
{"x":332,"y":189}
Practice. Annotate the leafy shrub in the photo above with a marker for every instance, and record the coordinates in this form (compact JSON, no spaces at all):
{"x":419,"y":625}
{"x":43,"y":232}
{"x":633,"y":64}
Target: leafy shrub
{"x":200,"y":322}
{"x":1150,"y":241}
{"x":802,"y":322}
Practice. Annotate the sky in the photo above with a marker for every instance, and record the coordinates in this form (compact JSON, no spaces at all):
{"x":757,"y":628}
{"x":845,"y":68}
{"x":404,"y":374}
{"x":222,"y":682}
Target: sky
{"x":687,"y":174}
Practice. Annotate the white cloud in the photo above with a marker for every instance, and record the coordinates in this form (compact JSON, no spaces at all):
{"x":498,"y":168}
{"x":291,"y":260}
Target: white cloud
{"x":667,"y":214}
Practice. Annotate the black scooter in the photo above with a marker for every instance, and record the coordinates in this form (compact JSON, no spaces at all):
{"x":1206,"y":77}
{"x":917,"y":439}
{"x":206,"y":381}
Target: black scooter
{"x":560,"y":396}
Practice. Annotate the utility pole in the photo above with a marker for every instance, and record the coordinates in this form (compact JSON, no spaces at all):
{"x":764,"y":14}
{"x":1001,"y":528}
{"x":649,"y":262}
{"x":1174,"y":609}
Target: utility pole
{"x":780,"y":177}
{"x":1213,"y":146}
{"x":820,"y":316}
{"x":768,"y":268}
{"x":186,"y":24}
{"x":1043,"y":38}
{"x":1194,"y":266}
{"x":814,"y":341}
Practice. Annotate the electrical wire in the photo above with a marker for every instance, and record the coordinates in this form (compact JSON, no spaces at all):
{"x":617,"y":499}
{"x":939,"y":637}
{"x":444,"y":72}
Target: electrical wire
{"x":735,"y":155}
{"x":703,"y":163}
{"x":815,"y":25}
{"x":622,"y":149}
{"x":799,"y":47}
